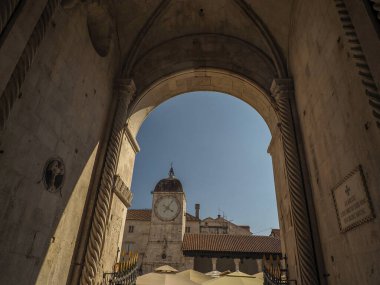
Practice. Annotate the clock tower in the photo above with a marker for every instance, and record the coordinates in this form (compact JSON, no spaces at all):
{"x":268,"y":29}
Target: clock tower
{"x":167,"y":225}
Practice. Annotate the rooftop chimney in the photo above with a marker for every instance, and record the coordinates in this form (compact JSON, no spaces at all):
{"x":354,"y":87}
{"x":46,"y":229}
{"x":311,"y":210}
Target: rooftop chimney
{"x":197,"y":207}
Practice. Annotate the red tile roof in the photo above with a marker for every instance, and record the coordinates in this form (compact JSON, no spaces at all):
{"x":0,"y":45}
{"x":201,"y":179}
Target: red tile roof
{"x":139,"y":215}
{"x":146,"y":214}
{"x":230,"y":243}
{"x":190,"y":218}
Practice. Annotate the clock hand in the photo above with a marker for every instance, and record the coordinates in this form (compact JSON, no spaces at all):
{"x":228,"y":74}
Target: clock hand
{"x":166,"y":208}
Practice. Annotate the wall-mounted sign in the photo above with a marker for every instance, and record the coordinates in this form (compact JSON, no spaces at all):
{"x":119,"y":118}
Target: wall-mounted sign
{"x":352,"y":202}
{"x":54,"y":174}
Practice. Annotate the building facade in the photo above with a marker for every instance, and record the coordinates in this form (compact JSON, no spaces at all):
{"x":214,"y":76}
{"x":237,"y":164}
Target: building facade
{"x":167,"y":234}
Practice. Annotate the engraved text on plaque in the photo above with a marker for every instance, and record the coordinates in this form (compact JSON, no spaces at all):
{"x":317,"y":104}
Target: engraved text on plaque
{"x":352,"y":202}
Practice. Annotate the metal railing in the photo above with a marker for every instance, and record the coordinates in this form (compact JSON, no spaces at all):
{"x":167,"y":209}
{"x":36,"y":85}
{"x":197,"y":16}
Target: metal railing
{"x":273,"y":273}
{"x":125,"y":272}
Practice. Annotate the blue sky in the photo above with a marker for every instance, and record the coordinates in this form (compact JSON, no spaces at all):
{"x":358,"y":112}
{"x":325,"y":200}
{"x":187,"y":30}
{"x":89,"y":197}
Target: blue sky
{"x":218,"y":146}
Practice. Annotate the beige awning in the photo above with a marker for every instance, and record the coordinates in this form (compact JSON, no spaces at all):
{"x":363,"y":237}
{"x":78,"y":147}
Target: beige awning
{"x":194,"y":276}
{"x":164,"y":275}
{"x":259,"y":276}
{"x":214,"y":273}
{"x":166,"y":269}
{"x":235,"y":278}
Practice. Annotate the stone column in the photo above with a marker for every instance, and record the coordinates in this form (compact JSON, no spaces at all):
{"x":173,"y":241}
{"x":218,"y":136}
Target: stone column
{"x":213,"y":261}
{"x":237,"y":263}
{"x":281,"y":90}
{"x":259,"y":263}
{"x":124,"y":91}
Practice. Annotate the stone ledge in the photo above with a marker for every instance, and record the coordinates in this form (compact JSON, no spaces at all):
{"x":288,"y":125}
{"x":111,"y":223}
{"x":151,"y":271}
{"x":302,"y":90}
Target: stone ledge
{"x":122,"y":191}
{"x":134,"y":144}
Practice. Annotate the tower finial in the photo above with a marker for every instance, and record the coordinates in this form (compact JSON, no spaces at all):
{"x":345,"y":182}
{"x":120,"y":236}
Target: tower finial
{"x":171,"y":171}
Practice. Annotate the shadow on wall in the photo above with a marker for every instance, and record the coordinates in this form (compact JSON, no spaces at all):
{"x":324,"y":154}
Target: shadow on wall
{"x":42,"y":226}
{"x":61,"y":112}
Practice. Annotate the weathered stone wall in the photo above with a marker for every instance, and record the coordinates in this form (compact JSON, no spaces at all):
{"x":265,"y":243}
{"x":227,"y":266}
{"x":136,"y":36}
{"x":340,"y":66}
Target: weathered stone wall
{"x":194,"y":226}
{"x":65,"y":99}
{"x":139,"y":237}
{"x":339,"y":133}
{"x":61,"y":111}
{"x":220,"y":225}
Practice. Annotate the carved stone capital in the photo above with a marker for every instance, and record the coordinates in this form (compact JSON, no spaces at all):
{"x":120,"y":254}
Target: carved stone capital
{"x":122,"y":191}
{"x":281,"y":87}
{"x":125,"y":90}
{"x":125,"y":86}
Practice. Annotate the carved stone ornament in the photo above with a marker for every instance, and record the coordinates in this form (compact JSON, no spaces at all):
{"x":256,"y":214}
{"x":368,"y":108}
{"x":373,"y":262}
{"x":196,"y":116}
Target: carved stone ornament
{"x":352,"y":201}
{"x":124,"y":90}
{"x":13,"y":87}
{"x":358,"y":57}
{"x":122,"y":191}
{"x":54,"y":174}
{"x":282,"y":89}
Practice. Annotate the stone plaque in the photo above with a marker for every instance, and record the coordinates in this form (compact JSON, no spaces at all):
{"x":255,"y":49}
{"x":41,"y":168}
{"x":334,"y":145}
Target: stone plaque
{"x":352,"y":201}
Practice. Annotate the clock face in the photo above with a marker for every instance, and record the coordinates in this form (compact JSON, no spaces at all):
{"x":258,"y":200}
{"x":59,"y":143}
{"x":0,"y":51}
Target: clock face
{"x":167,"y":208}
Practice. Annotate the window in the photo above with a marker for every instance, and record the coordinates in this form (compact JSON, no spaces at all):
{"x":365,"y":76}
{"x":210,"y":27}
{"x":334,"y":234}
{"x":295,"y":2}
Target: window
{"x":130,"y":229}
{"x":187,"y":230}
{"x":128,"y":246}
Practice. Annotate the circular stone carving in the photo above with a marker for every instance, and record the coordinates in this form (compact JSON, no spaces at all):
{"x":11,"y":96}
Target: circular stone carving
{"x":54,"y":174}
{"x":99,"y":28}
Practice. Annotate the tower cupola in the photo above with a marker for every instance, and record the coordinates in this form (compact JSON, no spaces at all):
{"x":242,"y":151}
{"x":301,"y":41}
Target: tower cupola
{"x":169,"y":184}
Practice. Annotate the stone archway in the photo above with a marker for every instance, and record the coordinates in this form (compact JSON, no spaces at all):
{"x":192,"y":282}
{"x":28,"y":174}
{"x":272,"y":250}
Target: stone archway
{"x":274,"y":107}
{"x":59,"y":65}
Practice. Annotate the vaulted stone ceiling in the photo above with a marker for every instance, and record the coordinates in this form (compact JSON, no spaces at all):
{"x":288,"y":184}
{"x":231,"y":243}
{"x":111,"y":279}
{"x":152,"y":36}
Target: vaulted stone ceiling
{"x":167,"y":36}
{"x":184,"y":17}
